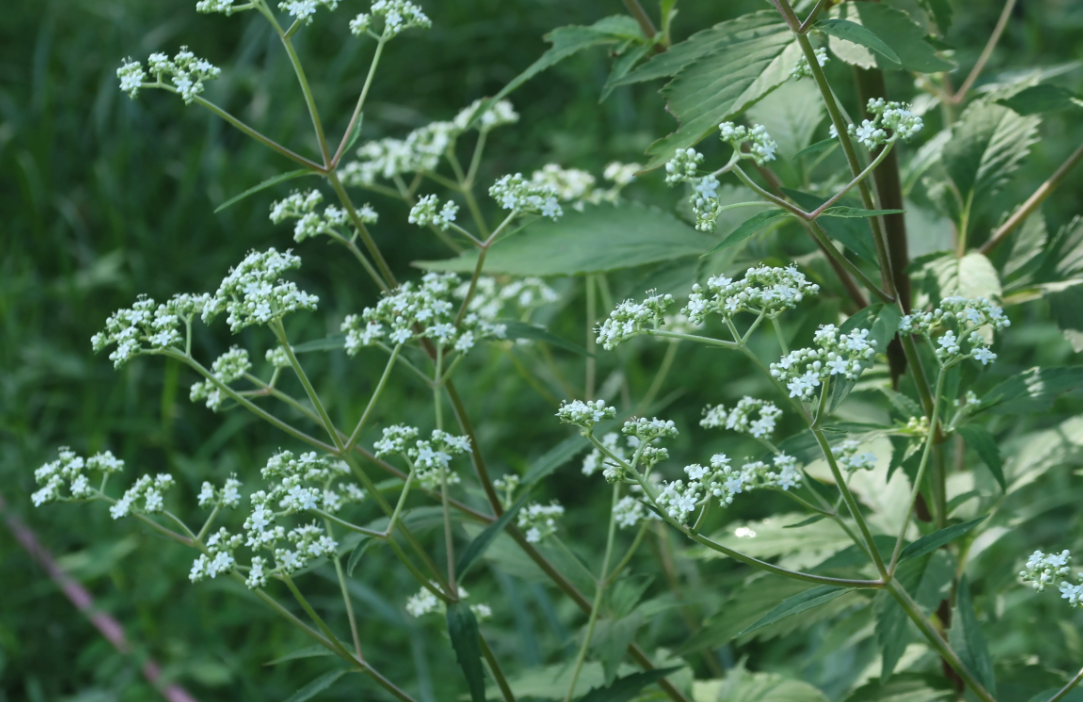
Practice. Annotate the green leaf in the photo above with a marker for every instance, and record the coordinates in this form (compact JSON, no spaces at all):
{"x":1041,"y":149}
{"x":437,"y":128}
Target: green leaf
{"x":817,"y":147}
{"x":1042,"y":98}
{"x":805,"y":522}
{"x":568,"y":41}
{"x":462,"y":627}
{"x":797,"y":604}
{"x":306,"y":652}
{"x":1066,"y":306}
{"x":335,"y":341}
{"x":979,"y":439}
{"x":749,"y":227}
{"x":317,"y":686}
{"x":270,"y":182}
{"x":966,"y":638}
{"x":355,"y":134}
{"x":622,"y":66}
{"x":933,"y":541}
{"x":791,"y":115}
{"x":358,"y":552}
{"x":904,"y":687}
{"x":852,"y":234}
{"x":515,"y":329}
{"x":854,"y":32}
{"x":628,"y":687}
{"x":1031,"y":391}
{"x":931,"y":578}
{"x":987,"y":145}
{"x":747,"y":59}
{"x":1075,"y":695}
{"x":481,"y":542}
{"x":971,"y":276}
{"x":610,"y":642}
{"x":857,"y":212}
{"x":554,"y":458}
{"x":601,"y":238}
{"x":895,"y":29}
{"x":941,"y":12}
{"x":739,"y":685}
{"x":892,"y":631}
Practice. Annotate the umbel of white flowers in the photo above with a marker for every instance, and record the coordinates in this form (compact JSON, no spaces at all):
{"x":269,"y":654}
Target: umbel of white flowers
{"x":965,"y":340}
{"x":428,"y":459}
{"x":838,"y":354}
{"x":1043,"y":569}
{"x":893,"y":117}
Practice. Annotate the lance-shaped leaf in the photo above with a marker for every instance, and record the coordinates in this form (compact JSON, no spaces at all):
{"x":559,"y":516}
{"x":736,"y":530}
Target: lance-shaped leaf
{"x":929,"y":543}
{"x":462,"y":627}
{"x":270,"y":182}
{"x":966,"y":638}
{"x":749,"y":227}
{"x":1031,"y":391}
{"x":850,"y":232}
{"x":317,"y":686}
{"x":895,"y":29}
{"x":477,"y":547}
{"x":797,"y":604}
{"x":628,"y":687}
{"x":979,"y":439}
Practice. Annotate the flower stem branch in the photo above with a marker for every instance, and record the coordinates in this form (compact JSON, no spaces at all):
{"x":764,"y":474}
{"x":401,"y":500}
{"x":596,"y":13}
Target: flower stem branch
{"x":994,"y":38}
{"x":360,"y":103}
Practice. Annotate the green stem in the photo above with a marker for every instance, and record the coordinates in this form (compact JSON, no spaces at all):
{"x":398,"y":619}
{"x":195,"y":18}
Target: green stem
{"x":346,"y":598}
{"x":732,"y":345}
{"x":313,"y":397}
{"x":475,"y":161}
{"x":372,"y":400}
{"x":1067,"y":688}
{"x":306,"y":90}
{"x":360,"y":102}
{"x":387,"y":278}
{"x":592,"y":340}
{"x":266,"y":141}
{"x":781,"y":337}
{"x":829,"y":248}
{"x":494,"y":668}
{"x":599,"y":592}
{"x":659,"y":377}
{"x":631,"y":550}
{"x":336,"y":645}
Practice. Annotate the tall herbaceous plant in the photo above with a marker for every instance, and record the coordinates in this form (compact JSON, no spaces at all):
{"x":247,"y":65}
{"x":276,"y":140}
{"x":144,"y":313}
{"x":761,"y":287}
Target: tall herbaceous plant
{"x":886,"y":511}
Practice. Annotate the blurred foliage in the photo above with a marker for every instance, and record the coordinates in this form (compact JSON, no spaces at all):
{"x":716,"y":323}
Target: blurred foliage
{"x":104,"y":199}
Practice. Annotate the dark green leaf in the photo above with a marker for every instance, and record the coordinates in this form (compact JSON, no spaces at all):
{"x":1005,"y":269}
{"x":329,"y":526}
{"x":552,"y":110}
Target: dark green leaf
{"x":857,"y":212}
{"x":317,"y":686}
{"x":306,"y":652}
{"x":610,"y":642}
{"x":894,"y":28}
{"x":966,"y":638}
{"x":628,"y":687}
{"x":358,"y":552}
{"x":355,"y":134}
{"x":904,"y":687}
{"x":336,"y":341}
{"x":747,"y":60}
{"x":622,"y":66}
{"x":892,"y":632}
{"x":1042,"y":98}
{"x":882,"y":321}
{"x":941,"y":12}
{"x":555,"y":458}
{"x":851,"y":233}
{"x":904,"y":406}
{"x":1066,"y":306}
{"x":514,"y":329}
{"x":817,"y":147}
{"x":933,"y":541}
{"x":937,"y":577}
{"x":270,"y":182}
{"x":749,"y":227}
{"x":805,"y":522}
{"x":797,"y":604}
{"x":481,"y":542}
{"x":979,"y":439}
{"x":851,"y":31}
{"x":1031,"y":391}
{"x":600,"y":238}
{"x":1075,"y":695}
{"x":462,"y":627}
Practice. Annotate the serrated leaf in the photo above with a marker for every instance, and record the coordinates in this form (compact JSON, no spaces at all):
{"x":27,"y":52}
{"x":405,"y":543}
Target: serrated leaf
{"x":306,"y":652}
{"x":270,"y":182}
{"x":791,"y":115}
{"x":748,"y":60}
{"x":931,"y":542}
{"x":555,"y":457}
{"x":601,"y":238}
{"x":983,"y":443}
{"x":971,"y":276}
{"x":622,"y":66}
{"x":966,"y":638}
{"x":896,"y":29}
{"x":1031,"y":391}
{"x":515,"y":329}
{"x":462,"y":627}
{"x":317,"y":686}
{"x":797,"y":604}
{"x":838,"y":211}
{"x":937,"y":577}
{"x":1024,"y":252}
{"x":854,"y":235}
{"x":903,"y":405}
{"x":987,"y":145}
{"x":927,"y":576}
{"x":628,"y":687}
{"x":610,"y":642}
{"x":892,"y":631}
{"x":749,"y":227}
{"x":740,"y":685}
{"x":854,"y":32}
{"x":476,"y":548}
{"x":1066,"y":306}
{"x":1041,"y":98}
{"x":905,"y":687}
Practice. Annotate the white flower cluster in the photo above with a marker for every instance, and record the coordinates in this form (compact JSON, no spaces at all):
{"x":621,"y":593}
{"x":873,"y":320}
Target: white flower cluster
{"x":426,"y":213}
{"x":515,"y":193}
{"x":149,"y":490}
{"x":430,"y":459}
{"x":740,"y":419}
{"x":419,"y":311}
{"x":597,"y":460}
{"x":423,"y":148}
{"x":72,"y":468}
{"x":302,"y":207}
{"x":1042,"y":569}
{"x":630,"y":512}
{"x":970,"y":316}
{"x":580,"y":188}
{"x":585,"y":414}
{"x":219,"y":558}
{"x":804,"y":370}
{"x":254,"y":293}
{"x":307,"y":482}
{"x":538,"y":520}
{"x":621,"y":174}
{"x":894,"y":117}
{"x":640,"y":437}
{"x":723,"y":482}
{"x":802,"y":69}
{"x":230,"y":366}
{"x":425,"y":602}
{"x":762,"y":147}
{"x":848,"y":457}
{"x":303,"y":10}
{"x":684,"y":168}
{"x":187,"y":71}
{"x":157,"y":326}
{"x":764,"y":290}
{"x":492,"y":298}
{"x":397,"y":15}
{"x":632,"y":318}
{"x":278,"y":357}
{"x":226,"y":7}
{"x":229,"y":495}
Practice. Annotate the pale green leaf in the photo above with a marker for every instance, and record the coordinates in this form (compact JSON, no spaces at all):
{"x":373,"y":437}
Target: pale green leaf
{"x":555,"y":457}
{"x":853,"y":32}
{"x":1042,"y":98}
{"x":1032,"y":390}
{"x":971,"y":276}
{"x":601,"y":238}
{"x":791,"y":115}
{"x":610,"y":642}
{"x":895,"y":29}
